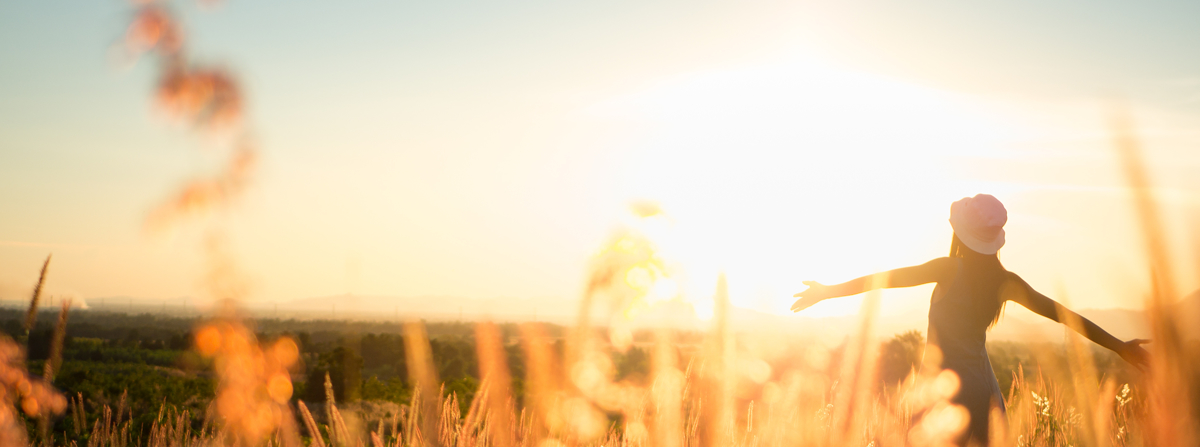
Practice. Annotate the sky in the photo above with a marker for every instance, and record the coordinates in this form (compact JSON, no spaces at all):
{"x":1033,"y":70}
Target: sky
{"x":487,"y":150}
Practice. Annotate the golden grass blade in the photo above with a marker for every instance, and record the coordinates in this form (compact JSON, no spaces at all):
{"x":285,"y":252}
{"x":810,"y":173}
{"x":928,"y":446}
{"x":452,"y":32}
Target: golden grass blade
{"x":1082,"y":368}
{"x":335,"y":436}
{"x":121,"y":406}
{"x":541,"y":375}
{"x":313,"y":430}
{"x":77,"y":413}
{"x":339,"y":435}
{"x":396,"y":417}
{"x":1171,"y":400}
{"x":450,"y":429}
{"x":493,"y":368}
{"x":667,"y":393}
{"x":1102,"y":415}
{"x":31,"y":315}
{"x":857,"y":380}
{"x":1130,"y":152}
{"x":51,"y":365}
{"x":56,"y":343}
{"x":718,"y":415}
{"x":422,"y":372}
{"x":998,"y":435}
{"x":411,"y":437}
{"x":344,"y":435}
{"x":287,"y":432}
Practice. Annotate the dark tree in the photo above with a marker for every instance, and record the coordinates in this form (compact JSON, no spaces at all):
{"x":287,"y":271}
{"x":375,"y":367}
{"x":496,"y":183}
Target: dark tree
{"x":899,"y":357}
{"x":344,"y":367}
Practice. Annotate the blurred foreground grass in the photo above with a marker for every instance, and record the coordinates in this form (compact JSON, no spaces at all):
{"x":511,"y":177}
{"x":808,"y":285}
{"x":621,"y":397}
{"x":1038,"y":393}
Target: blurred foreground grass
{"x":133,"y":378}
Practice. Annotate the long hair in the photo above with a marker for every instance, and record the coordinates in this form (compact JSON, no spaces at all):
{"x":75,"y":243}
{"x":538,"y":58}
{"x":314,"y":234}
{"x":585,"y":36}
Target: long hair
{"x":985,"y":278}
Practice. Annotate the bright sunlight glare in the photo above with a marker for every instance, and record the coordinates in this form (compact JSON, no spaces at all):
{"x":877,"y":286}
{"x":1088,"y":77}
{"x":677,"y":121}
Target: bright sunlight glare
{"x":830,"y":165}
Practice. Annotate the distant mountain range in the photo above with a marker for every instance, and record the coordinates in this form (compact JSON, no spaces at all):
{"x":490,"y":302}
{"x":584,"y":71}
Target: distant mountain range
{"x":1017,"y":323}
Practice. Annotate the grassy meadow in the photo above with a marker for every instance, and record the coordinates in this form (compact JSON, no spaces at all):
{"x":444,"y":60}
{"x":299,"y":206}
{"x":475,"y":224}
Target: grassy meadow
{"x":121,"y":379}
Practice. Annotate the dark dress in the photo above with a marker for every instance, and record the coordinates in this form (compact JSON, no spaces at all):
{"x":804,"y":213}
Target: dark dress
{"x":959,"y":315}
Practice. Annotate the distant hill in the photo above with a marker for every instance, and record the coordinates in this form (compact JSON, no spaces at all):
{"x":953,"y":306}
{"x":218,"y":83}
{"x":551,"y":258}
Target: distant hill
{"x":1018,"y":324}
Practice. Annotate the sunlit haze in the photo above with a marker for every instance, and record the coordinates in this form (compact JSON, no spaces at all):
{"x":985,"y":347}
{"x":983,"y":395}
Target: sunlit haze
{"x":485,"y":151}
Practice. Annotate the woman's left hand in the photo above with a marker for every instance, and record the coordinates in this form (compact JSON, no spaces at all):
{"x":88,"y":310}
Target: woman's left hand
{"x":1133,"y":353}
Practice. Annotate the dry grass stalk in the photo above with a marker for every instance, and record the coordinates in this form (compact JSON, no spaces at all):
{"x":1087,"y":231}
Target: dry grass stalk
{"x":1086,"y":380}
{"x":121,"y":405}
{"x":56,"y":344}
{"x":1102,"y":416}
{"x":78,"y":413}
{"x":380,"y":431}
{"x":450,"y":427}
{"x":493,"y":368}
{"x":51,"y":365}
{"x":336,"y":436}
{"x":421,"y":371}
{"x":171,"y":429}
{"x":31,"y":316}
{"x":480,"y":422}
{"x":109,"y":431}
{"x":719,"y":417}
{"x":396,"y":418}
{"x":541,"y":384}
{"x":313,"y":430}
{"x":412,"y":431}
{"x":339,"y":435}
{"x":667,"y":393}
{"x":852,"y":402}
{"x":1173,"y":403}
{"x":344,"y":436}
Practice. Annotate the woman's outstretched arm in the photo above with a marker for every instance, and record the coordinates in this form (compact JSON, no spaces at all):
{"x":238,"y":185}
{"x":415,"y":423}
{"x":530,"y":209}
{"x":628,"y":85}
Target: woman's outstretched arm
{"x":940,"y":269}
{"x":1040,"y":304}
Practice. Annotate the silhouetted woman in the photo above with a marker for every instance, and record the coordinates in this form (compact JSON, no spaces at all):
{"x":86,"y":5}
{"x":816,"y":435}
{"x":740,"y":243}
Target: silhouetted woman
{"x":971,"y":290}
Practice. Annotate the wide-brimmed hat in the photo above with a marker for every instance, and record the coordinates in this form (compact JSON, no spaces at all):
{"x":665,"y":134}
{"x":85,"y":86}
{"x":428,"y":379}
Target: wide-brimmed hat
{"x":979,"y":222}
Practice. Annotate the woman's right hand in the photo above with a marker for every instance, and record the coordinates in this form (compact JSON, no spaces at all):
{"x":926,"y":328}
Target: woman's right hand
{"x":815,"y":293}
